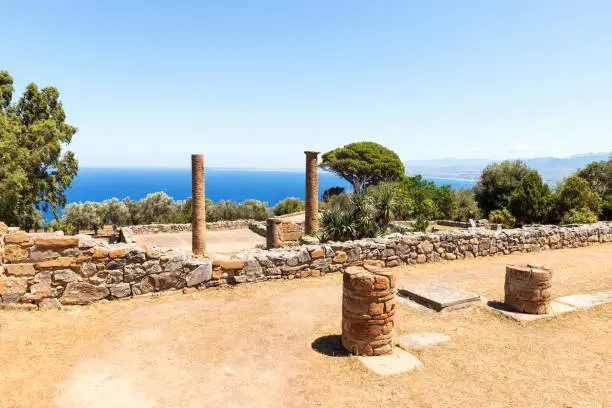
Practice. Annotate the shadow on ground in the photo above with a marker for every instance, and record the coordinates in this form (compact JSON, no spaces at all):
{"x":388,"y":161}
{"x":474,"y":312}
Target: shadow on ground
{"x":330,"y":346}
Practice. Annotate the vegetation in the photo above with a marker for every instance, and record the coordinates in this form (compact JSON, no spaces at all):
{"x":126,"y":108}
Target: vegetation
{"x":289,"y":205}
{"x":575,"y":200}
{"x":34,"y":171}
{"x":532,"y":201}
{"x":364,"y":164}
{"x":503,"y":217}
{"x":466,"y":206}
{"x":497,"y":183}
{"x":331,"y":192}
{"x":599,"y":176}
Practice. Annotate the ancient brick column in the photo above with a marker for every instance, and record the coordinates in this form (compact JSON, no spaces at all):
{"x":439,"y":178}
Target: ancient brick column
{"x":198,"y":217}
{"x":528,"y":288}
{"x":312,"y":193}
{"x":368,"y":309}
{"x":273,"y":239}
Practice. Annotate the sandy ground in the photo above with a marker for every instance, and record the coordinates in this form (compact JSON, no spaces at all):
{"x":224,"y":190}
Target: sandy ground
{"x":217,"y":242}
{"x":273,"y":344}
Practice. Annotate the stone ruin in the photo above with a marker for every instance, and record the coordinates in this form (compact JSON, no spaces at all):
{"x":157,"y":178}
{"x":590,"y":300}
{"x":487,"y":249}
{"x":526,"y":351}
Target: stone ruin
{"x":368,"y":309}
{"x":528,"y":288}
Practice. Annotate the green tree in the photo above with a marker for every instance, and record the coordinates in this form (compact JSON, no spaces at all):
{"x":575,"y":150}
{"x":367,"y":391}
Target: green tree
{"x":503,"y":217}
{"x":117,"y":212}
{"x":331,"y":192}
{"x":363,"y":164}
{"x":34,"y":170}
{"x":599,"y":176}
{"x":575,"y":194}
{"x":497,"y":183}
{"x":466,"y":205}
{"x":532,"y":201}
{"x":289,"y":205}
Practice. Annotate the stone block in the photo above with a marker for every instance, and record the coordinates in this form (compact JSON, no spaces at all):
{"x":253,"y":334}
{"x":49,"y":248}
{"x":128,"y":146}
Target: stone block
{"x":421,"y":340}
{"x":20,"y":269}
{"x":399,"y":361}
{"x":340,"y":257}
{"x":439,"y":297}
{"x":99,"y":253}
{"x":58,"y":263}
{"x":232,"y":264}
{"x":16,"y":238}
{"x":56,"y":242}
{"x":117,"y":253}
{"x":49,"y":304}
{"x":120,"y":290}
{"x":202,"y":273}
{"x":65,"y":276}
{"x":15,"y":253}
{"x":81,"y":293}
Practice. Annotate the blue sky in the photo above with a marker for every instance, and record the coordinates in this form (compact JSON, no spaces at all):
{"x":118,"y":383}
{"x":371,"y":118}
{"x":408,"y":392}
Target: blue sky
{"x":255,"y":83}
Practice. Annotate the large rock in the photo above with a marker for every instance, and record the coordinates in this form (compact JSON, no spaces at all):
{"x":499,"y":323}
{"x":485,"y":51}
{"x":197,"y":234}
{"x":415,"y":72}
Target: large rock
{"x":56,"y":242}
{"x":121,"y":290}
{"x":20,"y":269}
{"x":15,"y":253}
{"x":81,"y":293}
{"x":201,"y":274}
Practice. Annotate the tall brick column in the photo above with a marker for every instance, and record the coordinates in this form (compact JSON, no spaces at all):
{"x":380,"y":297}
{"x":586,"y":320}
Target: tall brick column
{"x":312,"y":193}
{"x":198,"y":218}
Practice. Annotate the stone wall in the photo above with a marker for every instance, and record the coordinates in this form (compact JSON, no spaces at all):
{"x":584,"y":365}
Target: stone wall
{"x":52,"y":270}
{"x":210,"y":226}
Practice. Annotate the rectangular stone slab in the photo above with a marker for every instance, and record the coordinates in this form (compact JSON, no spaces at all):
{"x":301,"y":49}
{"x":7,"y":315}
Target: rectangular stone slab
{"x":398,"y":362}
{"x":587,"y":301}
{"x":556,"y":309}
{"x":438,"y":296}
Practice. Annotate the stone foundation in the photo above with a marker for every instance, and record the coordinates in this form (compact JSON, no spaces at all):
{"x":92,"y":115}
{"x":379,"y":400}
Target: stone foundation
{"x":528,"y":289}
{"x":368,"y":309}
{"x":210,"y":226}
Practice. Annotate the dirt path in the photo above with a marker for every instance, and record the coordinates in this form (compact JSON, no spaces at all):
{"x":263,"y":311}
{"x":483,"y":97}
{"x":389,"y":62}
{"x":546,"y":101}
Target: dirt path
{"x":252,"y":346}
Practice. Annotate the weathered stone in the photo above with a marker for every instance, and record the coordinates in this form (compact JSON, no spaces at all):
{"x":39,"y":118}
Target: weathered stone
{"x":40,"y":291}
{"x":201,"y":274}
{"x":99,"y":253}
{"x":340,"y":257}
{"x":252,"y":268}
{"x":64,"y":276}
{"x":16,"y":238}
{"x":87,"y":242}
{"x":152,"y":267}
{"x":120,"y":290}
{"x":135,"y":255}
{"x":56,"y":242}
{"x":162,"y":281}
{"x":133,"y":272}
{"x":438,"y":296}
{"x":421,"y":258}
{"x":41,"y":255}
{"x":61,"y":262}
{"x":317,"y":253}
{"x":14,"y":285}
{"x":81,"y":293}
{"x":426,"y":247}
{"x":399,"y":361}
{"x":450,"y":256}
{"x":232,"y":264}
{"x":421,"y":340}
{"x":114,"y":276}
{"x":49,"y":304}
{"x":15,"y":253}
{"x":116,"y":264}
{"x":88,"y":269}
{"x":239,"y":279}
{"x":117,"y":253}
{"x":99,"y":278}
{"x":20,"y":269}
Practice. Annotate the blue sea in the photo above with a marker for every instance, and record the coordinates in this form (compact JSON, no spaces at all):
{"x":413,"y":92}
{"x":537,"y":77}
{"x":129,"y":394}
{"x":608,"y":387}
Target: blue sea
{"x":98,"y":184}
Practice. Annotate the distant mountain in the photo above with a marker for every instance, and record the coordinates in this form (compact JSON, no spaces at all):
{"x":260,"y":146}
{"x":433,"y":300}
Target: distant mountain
{"x":552,"y":169}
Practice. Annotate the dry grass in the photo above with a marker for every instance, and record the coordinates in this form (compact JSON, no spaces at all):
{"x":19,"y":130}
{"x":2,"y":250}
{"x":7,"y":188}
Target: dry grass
{"x":251,"y":345}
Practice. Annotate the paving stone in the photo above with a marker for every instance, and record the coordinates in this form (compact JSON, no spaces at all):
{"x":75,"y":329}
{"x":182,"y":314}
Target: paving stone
{"x":556,"y":308}
{"x":398,"y":362}
{"x":438,"y":296}
{"x":587,"y":301}
{"x":421,"y":340}
{"x":413,"y":305}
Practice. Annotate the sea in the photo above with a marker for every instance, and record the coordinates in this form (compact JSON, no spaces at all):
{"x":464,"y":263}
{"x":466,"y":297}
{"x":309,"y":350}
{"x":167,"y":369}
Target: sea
{"x":271,"y":186}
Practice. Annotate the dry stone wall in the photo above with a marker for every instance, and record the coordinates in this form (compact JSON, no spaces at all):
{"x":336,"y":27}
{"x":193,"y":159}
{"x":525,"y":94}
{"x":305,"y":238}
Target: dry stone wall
{"x":210,"y":226}
{"x":49,"y":270}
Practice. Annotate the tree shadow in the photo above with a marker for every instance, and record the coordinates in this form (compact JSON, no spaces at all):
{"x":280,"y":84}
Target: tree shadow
{"x":330,"y":346}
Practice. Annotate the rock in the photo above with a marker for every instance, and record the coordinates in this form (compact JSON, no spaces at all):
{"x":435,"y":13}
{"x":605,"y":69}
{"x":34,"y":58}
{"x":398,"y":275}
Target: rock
{"x":49,"y":304}
{"x":162,"y":281}
{"x":201,"y":274}
{"x":15,"y":253}
{"x":135,"y":271}
{"x":14,"y":285}
{"x":16,"y":238}
{"x":81,"y":293}
{"x":114,"y":276}
{"x":239,"y":279}
{"x":426,"y":246}
{"x":117,"y":253}
{"x":116,"y":264}
{"x":126,"y":235}
{"x":120,"y":290}
{"x":61,"y":262}
{"x":56,"y":242}
{"x":308,"y":240}
{"x":450,"y":256}
{"x":340,"y":257}
{"x":89,"y":269}
{"x":20,"y":269}
{"x":421,"y":258}
{"x":99,"y":253}
{"x":135,"y":255}
{"x":64,"y":276}
{"x":252,"y":268}
{"x":41,"y":255}
{"x":232,"y":264}
{"x":152,"y":267}
{"x":87,"y":242}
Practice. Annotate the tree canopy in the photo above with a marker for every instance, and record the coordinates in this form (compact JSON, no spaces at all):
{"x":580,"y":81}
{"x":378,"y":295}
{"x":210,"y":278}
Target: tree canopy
{"x":497,"y":183}
{"x":35,"y":171}
{"x":532,"y":201}
{"x":363,"y":164}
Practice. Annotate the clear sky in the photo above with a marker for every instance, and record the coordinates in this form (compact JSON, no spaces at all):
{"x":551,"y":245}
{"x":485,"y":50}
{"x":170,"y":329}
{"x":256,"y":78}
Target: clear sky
{"x":255,"y":83}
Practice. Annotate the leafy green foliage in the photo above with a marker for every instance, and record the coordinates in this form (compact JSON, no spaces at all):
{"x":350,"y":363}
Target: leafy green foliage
{"x":579,"y":216}
{"x":230,"y":211}
{"x":497,"y":183}
{"x":34,"y":171}
{"x":289,"y":205}
{"x":416,"y":197}
{"x":575,"y":194}
{"x":532,"y":201}
{"x":363,"y":164}
{"x":599,"y":176}
{"x":503,"y":217}
{"x":421,"y":224}
{"x":331,"y":192}
{"x":466,"y":206}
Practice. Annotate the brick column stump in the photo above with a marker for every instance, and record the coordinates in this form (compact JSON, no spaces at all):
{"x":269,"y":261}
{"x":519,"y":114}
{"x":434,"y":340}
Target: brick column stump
{"x":273,"y":239}
{"x":528,"y":288}
{"x":198,"y":216}
{"x":311,"y":223}
{"x":368,"y":309}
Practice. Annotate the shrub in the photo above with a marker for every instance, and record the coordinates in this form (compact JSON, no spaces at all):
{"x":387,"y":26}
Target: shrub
{"x":532,"y":201}
{"x":421,"y":224}
{"x":330,"y":192}
{"x":466,"y":206}
{"x":289,"y":205}
{"x":503,"y":217}
{"x":579,"y":216}
{"x":575,"y":194}
{"x":252,"y":210}
{"x":497,"y":183}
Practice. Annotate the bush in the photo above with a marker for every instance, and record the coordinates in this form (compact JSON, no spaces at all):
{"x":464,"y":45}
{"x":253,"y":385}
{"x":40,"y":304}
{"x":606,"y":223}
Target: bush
{"x":575,"y":194}
{"x":289,"y":205}
{"x":497,"y":183}
{"x":503,"y":217}
{"x":466,"y":206}
{"x":421,"y":224}
{"x":532,"y":201}
{"x":252,"y":210}
{"x":579,"y":216}
{"x":331,"y":192}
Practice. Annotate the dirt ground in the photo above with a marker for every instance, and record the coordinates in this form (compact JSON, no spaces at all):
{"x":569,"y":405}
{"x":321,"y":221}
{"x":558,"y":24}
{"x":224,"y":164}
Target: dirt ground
{"x":275,"y":344}
{"x":217,"y":242}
